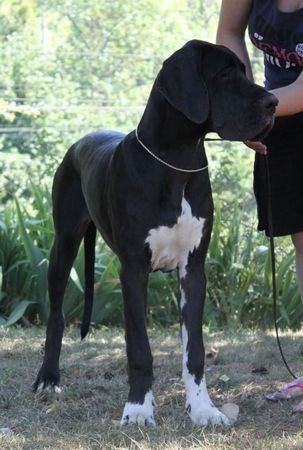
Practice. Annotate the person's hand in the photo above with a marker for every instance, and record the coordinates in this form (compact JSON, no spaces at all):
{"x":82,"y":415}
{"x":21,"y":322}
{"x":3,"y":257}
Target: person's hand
{"x":257,"y":146}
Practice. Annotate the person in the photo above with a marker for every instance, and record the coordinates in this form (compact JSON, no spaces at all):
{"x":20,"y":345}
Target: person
{"x":276,"y":28}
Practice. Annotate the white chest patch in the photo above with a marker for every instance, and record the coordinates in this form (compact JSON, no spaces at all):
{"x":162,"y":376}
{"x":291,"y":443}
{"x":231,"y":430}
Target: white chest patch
{"x":170,"y":246}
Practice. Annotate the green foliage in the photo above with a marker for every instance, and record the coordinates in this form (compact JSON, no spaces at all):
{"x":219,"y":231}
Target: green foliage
{"x":72,"y":66}
{"x":240,"y":277}
{"x":238,"y":269}
{"x":25,"y":241}
{"x":14,"y":280}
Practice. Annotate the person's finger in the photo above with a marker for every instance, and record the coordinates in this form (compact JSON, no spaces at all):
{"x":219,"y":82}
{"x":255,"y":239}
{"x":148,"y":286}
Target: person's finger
{"x":257,"y":146}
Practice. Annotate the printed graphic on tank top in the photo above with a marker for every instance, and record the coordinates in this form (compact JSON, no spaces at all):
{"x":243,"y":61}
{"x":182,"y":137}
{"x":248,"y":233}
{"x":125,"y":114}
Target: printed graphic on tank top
{"x":280,"y":36}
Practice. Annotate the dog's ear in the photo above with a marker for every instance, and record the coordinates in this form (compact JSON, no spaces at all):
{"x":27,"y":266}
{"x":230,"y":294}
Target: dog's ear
{"x":181,"y":82}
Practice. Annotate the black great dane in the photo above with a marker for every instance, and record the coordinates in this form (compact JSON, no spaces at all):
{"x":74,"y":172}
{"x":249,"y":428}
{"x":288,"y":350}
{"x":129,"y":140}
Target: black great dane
{"x":149,"y":194}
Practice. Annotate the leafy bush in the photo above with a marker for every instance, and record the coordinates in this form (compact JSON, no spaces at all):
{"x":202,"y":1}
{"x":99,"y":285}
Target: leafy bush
{"x":26,"y":235}
{"x":97,"y":73}
{"x":238,"y":271}
{"x":240,"y":277}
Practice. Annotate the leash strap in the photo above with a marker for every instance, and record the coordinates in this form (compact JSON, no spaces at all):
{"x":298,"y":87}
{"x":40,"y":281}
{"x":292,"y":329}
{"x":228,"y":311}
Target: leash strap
{"x":273,"y":265}
{"x":166,"y":163}
{"x":273,"y":262}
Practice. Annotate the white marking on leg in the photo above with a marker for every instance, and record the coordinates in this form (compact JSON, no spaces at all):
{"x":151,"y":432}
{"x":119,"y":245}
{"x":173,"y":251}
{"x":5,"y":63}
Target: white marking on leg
{"x":170,"y":248}
{"x":198,"y":403}
{"x":199,"y":406}
{"x":135,"y":413}
{"x":40,"y":388}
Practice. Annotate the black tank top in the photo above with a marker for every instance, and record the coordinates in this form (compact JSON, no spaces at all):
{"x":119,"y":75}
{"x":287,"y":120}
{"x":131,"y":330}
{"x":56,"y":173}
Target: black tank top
{"x":280,"y":36}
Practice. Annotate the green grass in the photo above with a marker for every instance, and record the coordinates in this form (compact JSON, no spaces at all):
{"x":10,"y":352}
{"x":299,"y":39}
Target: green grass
{"x":94,"y":378}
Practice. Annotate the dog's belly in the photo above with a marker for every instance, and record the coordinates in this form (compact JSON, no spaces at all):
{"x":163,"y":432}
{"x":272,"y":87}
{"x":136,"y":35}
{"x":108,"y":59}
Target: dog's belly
{"x":170,"y":246}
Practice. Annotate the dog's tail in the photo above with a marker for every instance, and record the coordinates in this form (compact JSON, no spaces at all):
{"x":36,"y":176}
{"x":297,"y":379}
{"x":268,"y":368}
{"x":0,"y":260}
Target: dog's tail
{"x":89,"y":252}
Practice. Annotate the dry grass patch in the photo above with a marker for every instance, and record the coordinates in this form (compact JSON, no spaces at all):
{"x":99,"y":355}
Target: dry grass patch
{"x":94,"y":378}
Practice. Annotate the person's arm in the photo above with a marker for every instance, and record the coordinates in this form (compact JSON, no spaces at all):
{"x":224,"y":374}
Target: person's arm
{"x":290,"y":98}
{"x":234,"y":15}
{"x":233,"y":21}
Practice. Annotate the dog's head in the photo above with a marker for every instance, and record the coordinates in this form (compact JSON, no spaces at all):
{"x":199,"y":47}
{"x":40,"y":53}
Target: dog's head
{"x":207,"y":83}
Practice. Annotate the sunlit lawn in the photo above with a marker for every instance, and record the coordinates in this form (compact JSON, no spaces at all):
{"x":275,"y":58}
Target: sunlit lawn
{"x":94,"y":378}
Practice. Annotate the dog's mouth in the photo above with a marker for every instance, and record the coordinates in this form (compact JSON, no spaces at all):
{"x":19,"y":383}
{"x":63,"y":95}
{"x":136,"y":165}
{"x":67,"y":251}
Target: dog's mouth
{"x":261,"y":135}
{"x":240,"y":135}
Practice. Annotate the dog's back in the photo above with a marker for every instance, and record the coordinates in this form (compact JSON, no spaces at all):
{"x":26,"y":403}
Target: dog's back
{"x":95,"y":148}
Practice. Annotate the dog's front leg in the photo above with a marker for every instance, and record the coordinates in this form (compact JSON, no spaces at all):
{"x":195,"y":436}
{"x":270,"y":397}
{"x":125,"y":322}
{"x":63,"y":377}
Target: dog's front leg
{"x":139,"y":407}
{"x":192,"y":295}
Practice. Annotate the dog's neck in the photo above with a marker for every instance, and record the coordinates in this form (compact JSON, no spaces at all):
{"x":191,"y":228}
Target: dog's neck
{"x":169,"y":133}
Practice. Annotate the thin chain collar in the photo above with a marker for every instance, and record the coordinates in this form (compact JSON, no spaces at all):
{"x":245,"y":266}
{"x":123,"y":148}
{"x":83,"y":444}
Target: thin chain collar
{"x":166,"y":163}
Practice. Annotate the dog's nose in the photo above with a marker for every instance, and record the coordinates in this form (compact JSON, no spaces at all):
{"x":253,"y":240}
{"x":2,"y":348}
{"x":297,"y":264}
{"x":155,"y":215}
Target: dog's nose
{"x":269,"y":102}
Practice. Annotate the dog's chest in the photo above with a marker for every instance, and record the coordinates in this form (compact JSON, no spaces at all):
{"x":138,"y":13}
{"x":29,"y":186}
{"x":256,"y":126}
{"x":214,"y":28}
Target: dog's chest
{"x":170,"y":246}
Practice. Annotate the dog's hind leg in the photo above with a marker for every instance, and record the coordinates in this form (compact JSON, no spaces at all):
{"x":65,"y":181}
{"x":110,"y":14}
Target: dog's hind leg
{"x":139,"y":407}
{"x":71,"y":220}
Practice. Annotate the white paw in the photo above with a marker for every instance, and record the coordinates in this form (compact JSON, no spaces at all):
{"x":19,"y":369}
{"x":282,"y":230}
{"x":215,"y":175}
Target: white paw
{"x":141,"y":414}
{"x":47,"y":388}
{"x":205,"y":415}
{"x":199,"y":406}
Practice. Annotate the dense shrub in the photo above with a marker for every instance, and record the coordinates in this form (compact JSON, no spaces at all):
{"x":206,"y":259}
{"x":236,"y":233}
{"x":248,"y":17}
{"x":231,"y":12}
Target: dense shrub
{"x":238,"y":270}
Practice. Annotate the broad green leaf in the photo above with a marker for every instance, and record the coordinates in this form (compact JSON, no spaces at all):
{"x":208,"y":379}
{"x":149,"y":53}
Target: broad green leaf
{"x":18,"y":312}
